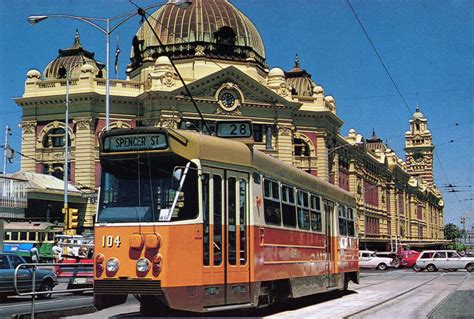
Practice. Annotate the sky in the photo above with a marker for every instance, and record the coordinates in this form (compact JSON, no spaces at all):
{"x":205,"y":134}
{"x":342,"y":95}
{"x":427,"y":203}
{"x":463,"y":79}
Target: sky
{"x":426,"y":46}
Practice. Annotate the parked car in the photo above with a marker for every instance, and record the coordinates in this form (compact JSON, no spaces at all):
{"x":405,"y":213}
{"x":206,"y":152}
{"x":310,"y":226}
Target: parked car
{"x":45,"y":280}
{"x":79,"y":276}
{"x":432,"y":260}
{"x":408,"y":258}
{"x":369,"y":259}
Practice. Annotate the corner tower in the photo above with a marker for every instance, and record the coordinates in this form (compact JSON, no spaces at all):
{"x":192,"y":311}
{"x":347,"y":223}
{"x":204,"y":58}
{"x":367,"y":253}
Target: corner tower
{"x":419,"y":148}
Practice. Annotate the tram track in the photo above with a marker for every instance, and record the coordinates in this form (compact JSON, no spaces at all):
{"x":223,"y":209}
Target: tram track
{"x":435,"y":309}
{"x":380,"y":282}
{"x":372,"y":306}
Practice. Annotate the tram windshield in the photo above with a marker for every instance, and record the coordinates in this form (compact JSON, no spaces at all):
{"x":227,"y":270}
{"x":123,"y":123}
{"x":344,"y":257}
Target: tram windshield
{"x":147,"y":189}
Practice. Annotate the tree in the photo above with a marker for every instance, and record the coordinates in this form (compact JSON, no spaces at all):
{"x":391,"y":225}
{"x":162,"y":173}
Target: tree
{"x":452,"y":232}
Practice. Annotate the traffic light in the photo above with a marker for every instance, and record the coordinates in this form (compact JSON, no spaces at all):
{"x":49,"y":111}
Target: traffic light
{"x":73,"y":219}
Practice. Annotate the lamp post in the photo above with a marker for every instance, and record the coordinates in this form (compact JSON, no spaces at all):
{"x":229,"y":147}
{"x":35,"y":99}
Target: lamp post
{"x":107,"y":30}
{"x":358,"y":143}
{"x":66,"y":152}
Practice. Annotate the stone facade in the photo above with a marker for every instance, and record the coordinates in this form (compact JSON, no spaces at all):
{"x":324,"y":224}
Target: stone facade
{"x":293,"y":120}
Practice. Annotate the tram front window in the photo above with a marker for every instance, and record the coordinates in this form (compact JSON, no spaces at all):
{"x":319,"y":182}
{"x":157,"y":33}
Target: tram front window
{"x":146,"y":189}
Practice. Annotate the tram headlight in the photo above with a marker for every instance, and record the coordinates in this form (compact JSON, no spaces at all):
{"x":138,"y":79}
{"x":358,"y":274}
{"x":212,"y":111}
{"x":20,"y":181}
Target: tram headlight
{"x":143,"y":265}
{"x":112,"y":265}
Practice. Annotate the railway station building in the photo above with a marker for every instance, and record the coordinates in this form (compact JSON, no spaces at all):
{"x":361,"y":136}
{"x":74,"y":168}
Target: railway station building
{"x":221,"y":57}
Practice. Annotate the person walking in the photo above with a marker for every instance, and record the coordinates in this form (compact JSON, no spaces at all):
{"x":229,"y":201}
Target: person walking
{"x":34,"y":254}
{"x":56,"y":251}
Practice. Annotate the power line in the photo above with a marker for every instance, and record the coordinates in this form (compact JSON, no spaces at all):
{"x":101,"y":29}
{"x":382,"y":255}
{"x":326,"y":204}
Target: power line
{"x":431,"y":129}
{"x":380,"y":58}
{"x":445,"y":175}
{"x":392,"y":95}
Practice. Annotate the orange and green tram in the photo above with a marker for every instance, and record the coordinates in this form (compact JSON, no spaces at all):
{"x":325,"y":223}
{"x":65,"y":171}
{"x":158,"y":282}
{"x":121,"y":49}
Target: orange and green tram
{"x":202,"y":223}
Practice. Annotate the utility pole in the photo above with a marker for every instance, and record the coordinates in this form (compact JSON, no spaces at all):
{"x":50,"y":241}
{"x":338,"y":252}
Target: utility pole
{"x":5,"y":150}
{"x":464,"y":230}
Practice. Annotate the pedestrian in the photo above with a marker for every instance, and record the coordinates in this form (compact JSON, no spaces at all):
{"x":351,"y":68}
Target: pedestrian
{"x":57,"y":251}
{"x":34,"y":254}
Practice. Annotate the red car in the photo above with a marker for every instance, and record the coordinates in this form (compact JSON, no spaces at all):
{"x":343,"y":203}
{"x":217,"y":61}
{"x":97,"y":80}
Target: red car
{"x":408,"y":257}
{"x":79,"y":276}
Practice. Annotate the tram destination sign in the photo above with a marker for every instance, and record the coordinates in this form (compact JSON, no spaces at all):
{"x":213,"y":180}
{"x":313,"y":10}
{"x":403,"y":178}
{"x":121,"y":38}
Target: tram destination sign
{"x":236,"y":129}
{"x":135,"y":142}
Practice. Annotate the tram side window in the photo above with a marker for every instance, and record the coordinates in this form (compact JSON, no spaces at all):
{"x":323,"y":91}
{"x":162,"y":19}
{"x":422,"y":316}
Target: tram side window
{"x":342,"y":221}
{"x":23,"y":236}
{"x":346,"y":221}
{"x":271,"y":202}
{"x":288,"y":206}
{"x":316,"y":217}
{"x":205,"y":216}
{"x":14,"y":235}
{"x":303,"y":210}
{"x":7,"y":235}
{"x":350,"y":222}
{"x":32,"y":236}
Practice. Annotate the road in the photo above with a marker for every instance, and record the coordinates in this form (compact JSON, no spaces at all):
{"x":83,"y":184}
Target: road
{"x":400,"y":293}
{"x":22,"y":305}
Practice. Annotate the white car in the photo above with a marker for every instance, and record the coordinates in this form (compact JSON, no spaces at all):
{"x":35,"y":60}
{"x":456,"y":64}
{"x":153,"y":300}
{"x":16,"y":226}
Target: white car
{"x":432,"y":260}
{"x":368,"y":259}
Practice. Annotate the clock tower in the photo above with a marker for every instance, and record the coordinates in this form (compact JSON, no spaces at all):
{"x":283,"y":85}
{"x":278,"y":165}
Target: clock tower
{"x":419,"y":148}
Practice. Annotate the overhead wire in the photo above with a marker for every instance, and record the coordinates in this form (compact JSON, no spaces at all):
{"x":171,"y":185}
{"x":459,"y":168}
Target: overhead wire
{"x":393,"y":82}
{"x":446,"y":177}
{"x":379,"y":57}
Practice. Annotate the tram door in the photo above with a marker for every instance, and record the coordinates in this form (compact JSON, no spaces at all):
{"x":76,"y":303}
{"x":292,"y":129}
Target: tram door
{"x":330,"y":242}
{"x":226,"y":237}
{"x":237,"y":272}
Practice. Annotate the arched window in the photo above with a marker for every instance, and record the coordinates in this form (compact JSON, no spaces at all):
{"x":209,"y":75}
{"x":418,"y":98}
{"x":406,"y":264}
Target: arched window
{"x":301,"y":147}
{"x":55,"y":138}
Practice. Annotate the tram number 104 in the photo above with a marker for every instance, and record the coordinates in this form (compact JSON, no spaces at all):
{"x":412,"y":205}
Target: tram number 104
{"x":110,"y":241}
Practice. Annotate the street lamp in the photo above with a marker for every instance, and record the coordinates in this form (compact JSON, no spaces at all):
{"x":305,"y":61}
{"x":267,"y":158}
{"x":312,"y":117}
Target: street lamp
{"x":359,"y":142}
{"x":35,"y":19}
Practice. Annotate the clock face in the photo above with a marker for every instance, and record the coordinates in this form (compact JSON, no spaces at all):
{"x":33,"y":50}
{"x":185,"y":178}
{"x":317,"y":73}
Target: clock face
{"x":228,"y":100}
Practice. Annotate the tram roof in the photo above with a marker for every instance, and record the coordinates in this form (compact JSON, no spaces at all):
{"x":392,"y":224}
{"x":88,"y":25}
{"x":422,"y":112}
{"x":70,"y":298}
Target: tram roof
{"x":234,"y":152}
{"x":27,"y":225}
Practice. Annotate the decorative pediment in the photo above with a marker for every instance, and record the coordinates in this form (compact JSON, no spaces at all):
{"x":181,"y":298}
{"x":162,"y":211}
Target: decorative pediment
{"x":253,"y":93}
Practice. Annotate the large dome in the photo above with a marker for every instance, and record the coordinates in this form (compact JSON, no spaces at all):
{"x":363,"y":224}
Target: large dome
{"x":213,"y":28}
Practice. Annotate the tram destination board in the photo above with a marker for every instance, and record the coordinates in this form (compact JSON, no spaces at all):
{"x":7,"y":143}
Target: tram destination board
{"x":135,"y":142}
{"x":237,"y":129}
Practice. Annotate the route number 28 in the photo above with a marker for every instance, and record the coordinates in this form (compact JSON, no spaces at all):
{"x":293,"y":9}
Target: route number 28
{"x":238,"y":129}
{"x":109,"y":241}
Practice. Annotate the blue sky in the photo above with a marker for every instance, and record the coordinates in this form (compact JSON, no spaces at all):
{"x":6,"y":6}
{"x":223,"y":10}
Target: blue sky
{"x":426,"y":45}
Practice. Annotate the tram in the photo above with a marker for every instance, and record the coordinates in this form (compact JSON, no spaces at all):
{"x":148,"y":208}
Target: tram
{"x":19,"y":237}
{"x":203,"y":223}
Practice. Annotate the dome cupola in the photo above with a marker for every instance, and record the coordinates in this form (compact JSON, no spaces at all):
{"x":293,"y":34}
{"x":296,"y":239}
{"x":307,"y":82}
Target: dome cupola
{"x":208,"y":28}
{"x":300,"y":81}
{"x":73,"y":59}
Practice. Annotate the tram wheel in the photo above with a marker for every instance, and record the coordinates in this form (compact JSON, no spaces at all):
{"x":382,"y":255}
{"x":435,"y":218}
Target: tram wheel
{"x":102,"y":301}
{"x":150,"y":306}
